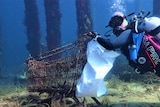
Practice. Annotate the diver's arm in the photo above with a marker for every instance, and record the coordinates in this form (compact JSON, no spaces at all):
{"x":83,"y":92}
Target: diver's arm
{"x":106,"y":43}
{"x":123,"y":39}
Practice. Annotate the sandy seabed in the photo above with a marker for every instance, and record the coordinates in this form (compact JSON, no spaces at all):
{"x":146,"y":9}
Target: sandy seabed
{"x":119,"y":94}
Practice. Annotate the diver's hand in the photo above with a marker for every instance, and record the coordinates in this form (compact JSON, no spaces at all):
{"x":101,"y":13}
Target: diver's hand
{"x":94,"y":35}
{"x":91,"y":34}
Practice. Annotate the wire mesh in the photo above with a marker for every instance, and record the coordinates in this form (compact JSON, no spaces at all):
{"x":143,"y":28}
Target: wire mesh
{"x":58,"y":71}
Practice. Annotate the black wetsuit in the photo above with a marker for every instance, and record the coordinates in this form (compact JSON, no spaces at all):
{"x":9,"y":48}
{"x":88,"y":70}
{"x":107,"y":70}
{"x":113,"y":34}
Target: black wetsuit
{"x":122,"y":42}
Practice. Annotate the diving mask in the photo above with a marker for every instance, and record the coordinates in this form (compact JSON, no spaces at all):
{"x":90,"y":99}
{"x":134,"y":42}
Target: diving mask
{"x":124,"y":24}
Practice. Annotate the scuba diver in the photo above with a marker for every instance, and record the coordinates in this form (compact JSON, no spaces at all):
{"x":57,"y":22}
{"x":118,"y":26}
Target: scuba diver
{"x":123,"y":31}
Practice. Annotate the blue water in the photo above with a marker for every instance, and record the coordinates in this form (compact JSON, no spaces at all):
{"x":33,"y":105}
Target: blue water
{"x":13,"y":35}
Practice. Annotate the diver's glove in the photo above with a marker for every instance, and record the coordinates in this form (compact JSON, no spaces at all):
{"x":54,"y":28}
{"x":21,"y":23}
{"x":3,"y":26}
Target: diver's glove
{"x":94,"y":35}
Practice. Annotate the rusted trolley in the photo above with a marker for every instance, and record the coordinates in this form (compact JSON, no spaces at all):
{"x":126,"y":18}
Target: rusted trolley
{"x":56,"y":72}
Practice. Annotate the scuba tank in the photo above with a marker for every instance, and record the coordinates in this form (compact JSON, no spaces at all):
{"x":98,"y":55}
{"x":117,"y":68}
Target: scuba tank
{"x":148,"y":56}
